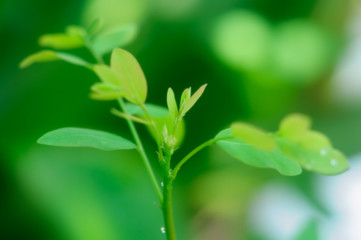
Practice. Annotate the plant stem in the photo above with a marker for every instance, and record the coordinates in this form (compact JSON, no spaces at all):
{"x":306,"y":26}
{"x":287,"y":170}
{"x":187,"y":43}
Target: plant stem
{"x":167,"y":209}
{"x":142,"y":152}
{"x":194,"y":151}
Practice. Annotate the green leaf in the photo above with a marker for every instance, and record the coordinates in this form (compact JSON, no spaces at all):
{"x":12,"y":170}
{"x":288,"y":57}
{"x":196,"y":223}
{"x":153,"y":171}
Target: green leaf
{"x":105,"y":91}
{"x":107,"y":75}
{"x":153,"y":109}
{"x":256,"y":157}
{"x":253,"y":136}
{"x":131,"y":74}
{"x":115,"y":37}
{"x":129,"y":116}
{"x":61,"y":41}
{"x":76,"y":31}
{"x":294,"y":126}
{"x":194,"y":98}
{"x":49,"y":56}
{"x":94,"y":27}
{"x":161,"y":117}
{"x":81,"y":137}
{"x":326,"y":161}
{"x":172,"y":103}
{"x":186,"y":95}
{"x":315,"y":141}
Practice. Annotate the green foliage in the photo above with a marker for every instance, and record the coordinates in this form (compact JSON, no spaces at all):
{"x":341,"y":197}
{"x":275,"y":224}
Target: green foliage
{"x":49,"y":56}
{"x":294,"y":142}
{"x":131,"y":75}
{"x":112,"y":38}
{"x":253,"y":136}
{"x":255,"y":156}
{"x":293,"y":147}
{"x":80,"y":137}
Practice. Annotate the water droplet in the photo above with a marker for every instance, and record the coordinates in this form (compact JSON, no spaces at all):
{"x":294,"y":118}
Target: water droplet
{"x":162,"y":184}
{"x":162,"y":229}
{"x":333,"y":162}
{"x":323,"y":152}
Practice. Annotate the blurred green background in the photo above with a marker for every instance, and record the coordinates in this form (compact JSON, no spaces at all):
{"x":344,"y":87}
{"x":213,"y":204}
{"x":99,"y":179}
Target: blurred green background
{"x":262,"y":59}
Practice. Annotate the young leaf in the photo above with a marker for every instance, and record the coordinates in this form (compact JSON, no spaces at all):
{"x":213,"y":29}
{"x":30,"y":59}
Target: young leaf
{"x":256,"y":157}
{"x":48,"y":56}
{"x":107,"y":75}
{"x":172,"y":104}
{"x":115,"y":37}
{"x":315,"y":141}
{"x":154,"y":110}
{"x":76,"y":31}
{"x":190,"y":103}
{"x":326,"y":161}
{"x":129,"y":116}
{"x":131,"y":74}
{"x":81,"y":137}
{"x":253,"y":136}
{"x":186,"y":95}
{"x":61,"y":41}
{"x":294,"y":126}
{"x":105,"y":91}
{"x":94,"y":27}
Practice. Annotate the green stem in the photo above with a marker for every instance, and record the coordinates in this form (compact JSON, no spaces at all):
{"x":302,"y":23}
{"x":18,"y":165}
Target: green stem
{"x":142,"y":153}
{"x":168,"y":210}
{"x":92,"y":51}
{"x":194,"y":151}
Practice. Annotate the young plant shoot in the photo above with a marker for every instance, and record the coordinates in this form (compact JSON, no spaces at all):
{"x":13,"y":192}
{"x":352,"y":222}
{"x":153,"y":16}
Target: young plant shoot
{"x":295,"y":146}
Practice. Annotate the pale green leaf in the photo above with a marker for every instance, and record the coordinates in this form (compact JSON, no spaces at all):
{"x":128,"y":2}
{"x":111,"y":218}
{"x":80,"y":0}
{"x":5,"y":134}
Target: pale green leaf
{"x":131,"y":74}
{"x":48,"y":56}
{"x":105,"y":91}
{"x":172,"y":103}
{"x":115,"y":37}
{"x":186,"y":95}
{"x":94,"y":27}
{"x":253,"y":136}
{"x":129,"y":116}
{"x":194,"y":98}
{"x":153,"y":109}
{"x":81,"y":137}
{"x":42,"y":56}
{"x":315,"y":141}
{"x":76,"y":31}
{"x":326,"y":161}
{"x":61,"y":41}
{"x":294,"y":126}
{"x":256,"y":157}
{"x":107,"y":75}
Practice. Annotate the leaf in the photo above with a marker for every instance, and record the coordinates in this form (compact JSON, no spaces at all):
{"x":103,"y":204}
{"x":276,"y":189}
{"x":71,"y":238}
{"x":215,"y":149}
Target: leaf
{"x":61,"y":41}
{"x":256,"y":157}
{"x":190,"y":103}
{"x":294,"y":126}
{"x":131,"y":74}
{"x":161,"y":117}
{"x":81,"y":137}
{"x":107,"y":75}
{"x":326,"y":161}
{"x":128,"y":116}
{"x":153,"y":109}
{"x":115,"y":37}
{"x":76,"y":31}
{"x":105,"y":91}
{"x":315,"y":141}
{"x":172,"y":103}
{"x":253,"y":136}
{"x":94,"y":27}
{"x":49,"y":56}
{"x":186,"y":95}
